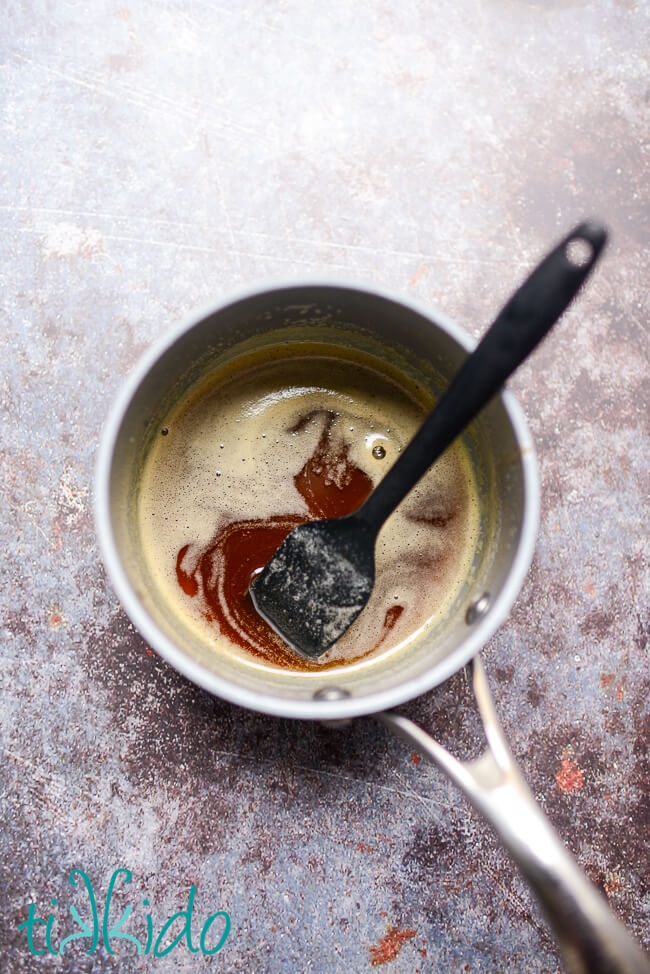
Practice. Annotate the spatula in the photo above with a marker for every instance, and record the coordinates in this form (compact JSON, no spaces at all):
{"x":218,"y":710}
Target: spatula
{"x":321,"y":576}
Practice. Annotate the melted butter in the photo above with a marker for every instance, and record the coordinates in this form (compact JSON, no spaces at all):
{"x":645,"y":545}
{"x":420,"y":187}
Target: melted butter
{"x":252,"y":454}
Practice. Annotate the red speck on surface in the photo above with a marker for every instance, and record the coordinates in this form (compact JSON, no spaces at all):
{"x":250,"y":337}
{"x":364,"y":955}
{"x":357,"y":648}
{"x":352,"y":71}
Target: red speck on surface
{"x":414,"y":278}
{"x":415,"y":758}
{"x":588,"y":588}
{"x":389,"y":946}
{"x":620,"y":687}
{"x":362,"y":847}
{"x":55,"y":619}
{"x":569,"y":777}
{"x":56,"y":531}
{"x":606,"y":680}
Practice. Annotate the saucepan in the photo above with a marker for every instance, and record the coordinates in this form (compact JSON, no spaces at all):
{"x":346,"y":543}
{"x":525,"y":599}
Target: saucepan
{"x":428,"y":348}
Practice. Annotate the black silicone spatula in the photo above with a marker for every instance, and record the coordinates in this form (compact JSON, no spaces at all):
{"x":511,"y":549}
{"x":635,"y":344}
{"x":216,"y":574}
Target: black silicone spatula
{"x":321,"y":576}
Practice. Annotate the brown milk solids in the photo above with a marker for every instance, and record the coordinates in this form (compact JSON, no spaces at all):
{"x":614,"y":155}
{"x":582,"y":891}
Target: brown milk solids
{"x":253,"y":452}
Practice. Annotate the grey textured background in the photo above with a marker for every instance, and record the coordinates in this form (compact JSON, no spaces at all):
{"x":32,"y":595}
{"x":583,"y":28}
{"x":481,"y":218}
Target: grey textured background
{"x":155,"y":155}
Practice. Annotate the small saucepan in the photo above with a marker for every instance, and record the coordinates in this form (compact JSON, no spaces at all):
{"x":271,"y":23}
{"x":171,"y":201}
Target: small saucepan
{"x":429,"y":349}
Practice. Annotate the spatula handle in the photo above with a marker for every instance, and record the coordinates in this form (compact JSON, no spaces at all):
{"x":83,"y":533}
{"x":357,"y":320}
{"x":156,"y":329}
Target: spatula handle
{"x":520,"y":326}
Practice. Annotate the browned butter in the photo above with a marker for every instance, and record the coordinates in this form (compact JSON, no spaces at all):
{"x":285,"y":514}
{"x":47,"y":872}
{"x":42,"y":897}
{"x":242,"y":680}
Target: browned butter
{"x":286,"y":438}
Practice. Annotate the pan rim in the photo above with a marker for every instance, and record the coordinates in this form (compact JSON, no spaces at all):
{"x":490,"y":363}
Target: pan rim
{"x":268,"y":703}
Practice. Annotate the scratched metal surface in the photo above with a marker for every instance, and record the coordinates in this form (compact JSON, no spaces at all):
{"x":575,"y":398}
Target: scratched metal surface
{"x":156,"y":155}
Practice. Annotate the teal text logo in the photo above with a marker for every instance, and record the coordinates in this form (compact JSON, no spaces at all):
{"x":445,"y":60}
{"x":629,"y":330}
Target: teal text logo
{"x":211,"y":938}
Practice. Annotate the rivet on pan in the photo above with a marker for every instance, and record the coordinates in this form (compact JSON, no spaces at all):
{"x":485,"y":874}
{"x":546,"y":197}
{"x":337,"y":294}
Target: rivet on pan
{"x":331,"y":693}
{"x":477,"y":609}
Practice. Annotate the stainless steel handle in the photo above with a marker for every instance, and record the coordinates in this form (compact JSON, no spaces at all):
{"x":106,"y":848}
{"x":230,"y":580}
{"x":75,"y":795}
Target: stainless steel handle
{"x":592,"y":939}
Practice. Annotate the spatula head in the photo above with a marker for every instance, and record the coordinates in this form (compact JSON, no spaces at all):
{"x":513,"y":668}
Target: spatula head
{"x":317,"y":583}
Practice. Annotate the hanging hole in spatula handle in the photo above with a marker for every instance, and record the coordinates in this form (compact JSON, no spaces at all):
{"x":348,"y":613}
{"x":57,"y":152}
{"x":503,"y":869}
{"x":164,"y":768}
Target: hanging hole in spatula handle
{"x":579,"y":252}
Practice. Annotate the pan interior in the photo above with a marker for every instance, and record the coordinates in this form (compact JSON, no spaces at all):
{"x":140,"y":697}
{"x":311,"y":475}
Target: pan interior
{"x":423,"y":354}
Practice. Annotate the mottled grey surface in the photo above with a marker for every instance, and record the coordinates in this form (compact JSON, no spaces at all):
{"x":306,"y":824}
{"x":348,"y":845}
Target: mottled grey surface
{"x":155,"y":155}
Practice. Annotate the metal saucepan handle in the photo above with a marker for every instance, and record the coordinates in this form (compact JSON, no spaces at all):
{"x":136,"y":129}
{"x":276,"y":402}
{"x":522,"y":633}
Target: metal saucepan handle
{"x":592,"y":939}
